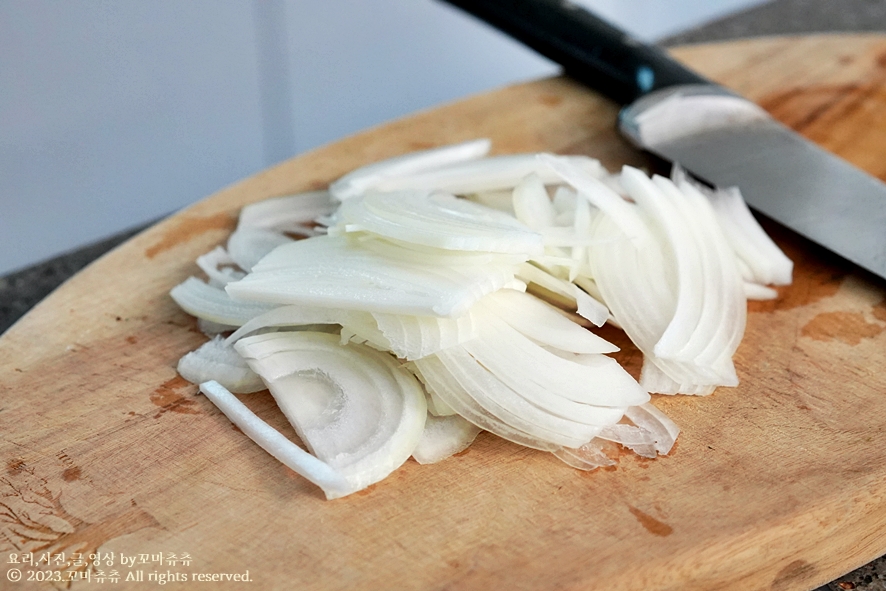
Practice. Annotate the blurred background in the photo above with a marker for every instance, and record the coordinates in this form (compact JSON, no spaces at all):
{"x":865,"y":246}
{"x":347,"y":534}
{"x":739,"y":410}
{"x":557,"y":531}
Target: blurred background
{"x":114,"y":113}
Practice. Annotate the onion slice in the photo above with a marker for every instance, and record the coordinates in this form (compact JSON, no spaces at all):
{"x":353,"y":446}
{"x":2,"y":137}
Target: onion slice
{"x":531,"y":203}
{"x":444,"y":437}
{"x":439,"y":220}
{"x":664,"y":431}
{"x":599,"y":194}
{"x":217,"y":361}
{"x":211,"y":303}
{"x":676,"y":293}
{"x":218,"y":266}
{"x":543,"y":323}
{"x":598,"y":383}
{"x":589,"y":456}
{"x":333,"y":483}
{"x":489,"y":174}
{"x":764,"y":262}
{"x":367,"y":177}
{"x":586,"y":306}
{"x":413,"y":337}
{"x":333,"y":271}
{"x":247,"y":246}
{"x":289,"y":213}
{"x":440,"y":380}
{"x":354,"y":407}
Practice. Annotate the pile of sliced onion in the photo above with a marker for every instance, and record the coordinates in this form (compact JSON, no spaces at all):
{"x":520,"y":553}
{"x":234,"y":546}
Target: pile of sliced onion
{"x":425,"y":298}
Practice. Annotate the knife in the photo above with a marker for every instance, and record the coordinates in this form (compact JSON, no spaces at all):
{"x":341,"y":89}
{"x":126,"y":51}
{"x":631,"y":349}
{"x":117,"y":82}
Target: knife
{"x":718,"y":136}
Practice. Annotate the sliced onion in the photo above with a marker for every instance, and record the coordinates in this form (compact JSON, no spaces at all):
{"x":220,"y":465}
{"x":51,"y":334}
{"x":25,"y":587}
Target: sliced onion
{"x":362,"y":328}
{"x":585,"y":305}
{"x":333,"y":483}
{"x":515,"y":409}
{"x":439,"y":220}
{"x":599,"y":194}
{"x":633,"y":280}
{"x":436,"y":405}
{"x":564,"y":200}
{"x":413,"y":337}
{"x":408,"y":337}
{"x":211,"y":329}
{"x":291,"y":316}
{"x":489,"y":174}
{"x":531,"y":203}
{"x":581,"y":225}
{"x":755,"y":291}
{"x":217,"y":361}
{"x":444,"y":437}
{"x":407,"y":269}
{"x":651,"y":434}
{"x":559,"y":236}
{"x":501,"y":199}
{"x":289,"y":213}
{"x":682,"y":249}
{"x":515,"y":360}
{"x":589,"y":456}
{"x":638,"y":440}
{"x":664,"y":431}
{"x":218,"y":266}
{"x":731,"y":317}
{"x":439,"y":379}
{"x":248,"y":246}
{"x":210,"y":303}
{"x":543,"y":323}
{"x":368,"y":177}
{"x":677,"y":293}
{"x":432,"y":257}
{"x":355,"y":408}
{"x":654,"y":379}
{"x":335,"y":272}
{"x":761,"y":257}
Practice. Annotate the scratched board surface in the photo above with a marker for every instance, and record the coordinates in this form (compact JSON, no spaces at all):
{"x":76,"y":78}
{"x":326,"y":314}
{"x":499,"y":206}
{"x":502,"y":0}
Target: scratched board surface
{"x":779,"y":483}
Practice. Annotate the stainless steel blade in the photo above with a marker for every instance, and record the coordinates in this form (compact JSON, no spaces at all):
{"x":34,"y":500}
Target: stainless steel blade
{"x":728,"y":141}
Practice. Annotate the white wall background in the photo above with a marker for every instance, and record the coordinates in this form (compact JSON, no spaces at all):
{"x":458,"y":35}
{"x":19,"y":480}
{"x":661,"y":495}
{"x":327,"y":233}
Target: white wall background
{"x":116,"y":112}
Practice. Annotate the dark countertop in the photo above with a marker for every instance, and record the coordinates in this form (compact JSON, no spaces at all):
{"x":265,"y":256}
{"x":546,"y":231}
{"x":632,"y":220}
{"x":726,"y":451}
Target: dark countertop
{"x":21,"y":290}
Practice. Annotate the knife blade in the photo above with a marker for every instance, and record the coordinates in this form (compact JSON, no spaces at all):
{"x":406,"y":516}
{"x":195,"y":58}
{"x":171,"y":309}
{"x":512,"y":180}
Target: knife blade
{"x":712,"y":132}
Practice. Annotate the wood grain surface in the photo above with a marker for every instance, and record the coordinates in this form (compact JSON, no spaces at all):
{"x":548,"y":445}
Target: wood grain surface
{"x":777,"y":484}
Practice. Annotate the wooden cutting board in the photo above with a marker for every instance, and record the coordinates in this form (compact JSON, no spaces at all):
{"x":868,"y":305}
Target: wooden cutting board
{"x":777,"y":484}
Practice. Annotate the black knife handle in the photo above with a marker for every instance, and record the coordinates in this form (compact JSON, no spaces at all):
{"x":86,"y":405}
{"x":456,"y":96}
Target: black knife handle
{"x":590,"y":50}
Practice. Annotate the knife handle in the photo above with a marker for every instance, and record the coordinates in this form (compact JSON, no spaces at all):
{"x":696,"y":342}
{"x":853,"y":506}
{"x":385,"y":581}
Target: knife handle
{"x":590,"y":50}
